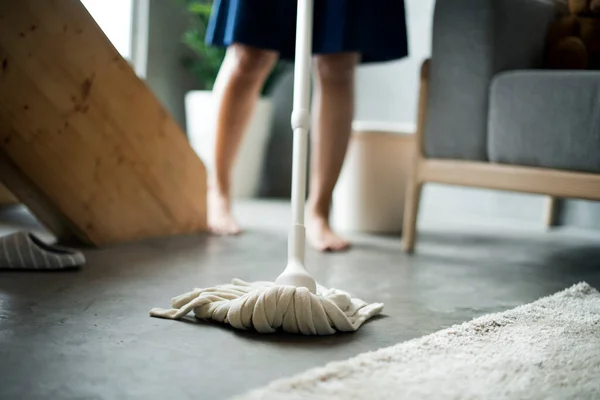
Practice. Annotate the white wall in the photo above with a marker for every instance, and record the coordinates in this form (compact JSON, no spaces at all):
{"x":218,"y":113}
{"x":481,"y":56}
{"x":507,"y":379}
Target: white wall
{"x":165,"y":73}
{"x":388,"y":91}
{"x":115,"y":19}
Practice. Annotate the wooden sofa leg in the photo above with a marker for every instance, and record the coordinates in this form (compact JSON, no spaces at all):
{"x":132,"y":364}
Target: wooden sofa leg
{"x":411,"y":213}
{"x":550,"y":212}
{"x":415,"y":184}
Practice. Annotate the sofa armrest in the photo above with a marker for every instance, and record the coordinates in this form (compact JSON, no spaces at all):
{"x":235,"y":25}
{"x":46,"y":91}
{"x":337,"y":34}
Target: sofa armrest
{"x":546,"y":119}
{"x":473,"y":40}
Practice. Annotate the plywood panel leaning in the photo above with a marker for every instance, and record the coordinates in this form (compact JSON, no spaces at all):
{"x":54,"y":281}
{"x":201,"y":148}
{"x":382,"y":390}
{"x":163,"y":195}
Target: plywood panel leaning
{"x":6,"y":197}
{"x":83,"y":137}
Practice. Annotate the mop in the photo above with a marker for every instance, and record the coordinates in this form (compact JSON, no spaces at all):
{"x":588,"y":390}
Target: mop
{"x":294,"y":303}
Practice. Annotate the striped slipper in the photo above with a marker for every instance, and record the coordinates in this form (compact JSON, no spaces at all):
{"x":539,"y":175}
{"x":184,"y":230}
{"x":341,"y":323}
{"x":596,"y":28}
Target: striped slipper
{"x":23,"y":250}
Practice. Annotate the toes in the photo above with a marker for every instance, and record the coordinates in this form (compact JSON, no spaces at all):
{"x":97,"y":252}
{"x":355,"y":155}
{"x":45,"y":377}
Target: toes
{"x":329,"y":243}
{"x":233,"y":231}
{"x":333,"y":247}
{"x":341,"y":246}
{"x":338,"y":245}
{"x":228,"y":230}
{"x":223,"y":226}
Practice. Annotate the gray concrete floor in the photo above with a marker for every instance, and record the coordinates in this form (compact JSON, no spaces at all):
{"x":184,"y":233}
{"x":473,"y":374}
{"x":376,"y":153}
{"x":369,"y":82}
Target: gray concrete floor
{"x":87,"y":334}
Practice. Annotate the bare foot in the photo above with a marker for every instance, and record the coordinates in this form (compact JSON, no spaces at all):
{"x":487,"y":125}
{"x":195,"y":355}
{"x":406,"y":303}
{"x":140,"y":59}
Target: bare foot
{"x":322,"y":238}
{"x":220,"y":218}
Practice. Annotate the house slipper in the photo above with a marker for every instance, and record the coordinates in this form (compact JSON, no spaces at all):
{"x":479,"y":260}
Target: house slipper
{"x":25,"y":251}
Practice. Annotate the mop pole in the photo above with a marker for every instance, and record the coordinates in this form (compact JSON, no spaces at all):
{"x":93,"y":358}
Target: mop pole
{"x":301,"y":125}
{"x":295,"y":273}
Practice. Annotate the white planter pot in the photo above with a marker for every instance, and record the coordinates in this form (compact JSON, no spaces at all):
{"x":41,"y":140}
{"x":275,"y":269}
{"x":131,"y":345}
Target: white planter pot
{"x":201,"y":112}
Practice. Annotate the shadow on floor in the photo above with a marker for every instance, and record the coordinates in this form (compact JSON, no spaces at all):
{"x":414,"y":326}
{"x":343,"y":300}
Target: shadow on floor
{"x":483,"y":238}
{"x":574,"y":260}
{"x":284,"y":339}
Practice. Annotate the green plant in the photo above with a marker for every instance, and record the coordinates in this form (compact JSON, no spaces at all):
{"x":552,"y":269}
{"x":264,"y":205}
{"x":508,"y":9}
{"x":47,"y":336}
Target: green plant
{"x":206,"y":59}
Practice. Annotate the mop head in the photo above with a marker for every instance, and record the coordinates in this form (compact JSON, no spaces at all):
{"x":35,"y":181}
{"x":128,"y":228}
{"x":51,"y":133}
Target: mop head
{"x":266,"y":308}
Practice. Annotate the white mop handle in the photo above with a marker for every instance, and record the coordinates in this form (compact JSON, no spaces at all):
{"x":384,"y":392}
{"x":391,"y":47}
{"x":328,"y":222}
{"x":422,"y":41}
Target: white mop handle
{"x":301,"y":124}
{"x":303,"y":58}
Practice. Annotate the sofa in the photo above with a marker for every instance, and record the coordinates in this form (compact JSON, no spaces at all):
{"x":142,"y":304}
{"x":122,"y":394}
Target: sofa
{"x":490,"y":116}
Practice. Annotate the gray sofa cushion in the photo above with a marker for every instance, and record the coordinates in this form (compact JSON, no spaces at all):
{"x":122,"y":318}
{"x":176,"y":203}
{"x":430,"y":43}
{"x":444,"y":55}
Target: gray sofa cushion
{"x":546,"y":119}
{"x":472,"y":41}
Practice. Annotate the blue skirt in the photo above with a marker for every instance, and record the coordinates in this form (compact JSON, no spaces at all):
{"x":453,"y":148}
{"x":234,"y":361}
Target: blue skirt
{"x":376,"y":28}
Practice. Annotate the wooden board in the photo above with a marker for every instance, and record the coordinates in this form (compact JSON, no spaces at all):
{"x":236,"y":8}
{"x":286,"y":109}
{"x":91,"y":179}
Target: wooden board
{"x":84,"y":140}
{"x":532,"y":180}
{"x":6,"y":197}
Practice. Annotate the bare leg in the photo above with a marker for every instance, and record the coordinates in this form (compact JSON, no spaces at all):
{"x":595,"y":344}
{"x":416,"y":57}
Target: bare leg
{"x":333,"y":107}
{"x":238,"y":85}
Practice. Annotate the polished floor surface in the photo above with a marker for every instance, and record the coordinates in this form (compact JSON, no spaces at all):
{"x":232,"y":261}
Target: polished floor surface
{"x":87,"y":334}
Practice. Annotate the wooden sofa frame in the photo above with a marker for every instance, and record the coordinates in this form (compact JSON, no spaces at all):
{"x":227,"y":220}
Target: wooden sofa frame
{"x":544,"y":181}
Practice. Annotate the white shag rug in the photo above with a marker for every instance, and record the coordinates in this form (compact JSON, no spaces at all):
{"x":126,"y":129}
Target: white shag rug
{"x":549,"y":349}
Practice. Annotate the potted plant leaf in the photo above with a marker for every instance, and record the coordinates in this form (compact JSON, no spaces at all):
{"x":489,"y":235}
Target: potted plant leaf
{"x":201,"y":107}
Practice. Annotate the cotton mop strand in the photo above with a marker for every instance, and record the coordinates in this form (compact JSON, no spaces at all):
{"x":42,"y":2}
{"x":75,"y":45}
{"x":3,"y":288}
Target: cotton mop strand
{"x":294,"y":303}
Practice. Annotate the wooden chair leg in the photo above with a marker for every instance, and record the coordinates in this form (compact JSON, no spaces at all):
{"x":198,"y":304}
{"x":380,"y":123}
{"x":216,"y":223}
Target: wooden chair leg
{"x":415,"y":184}
{"x":550,"y":212}
{"x":411,"y":213}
